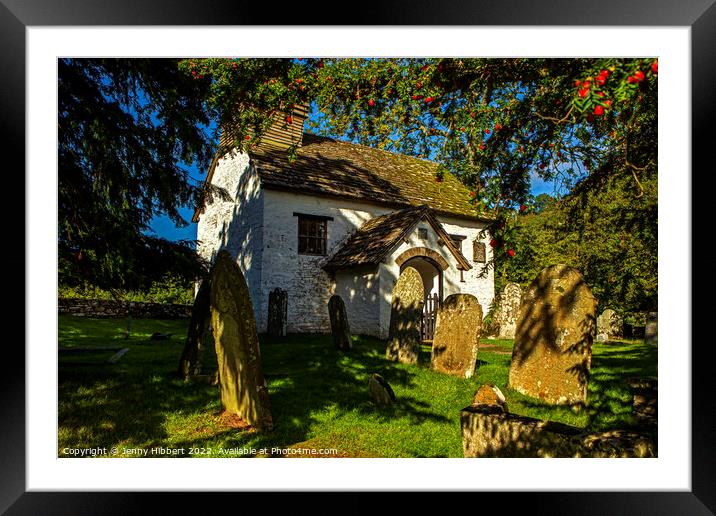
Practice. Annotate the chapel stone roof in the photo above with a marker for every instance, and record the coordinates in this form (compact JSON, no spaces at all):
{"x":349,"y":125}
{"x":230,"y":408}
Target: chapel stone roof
{"x":324,"y":166}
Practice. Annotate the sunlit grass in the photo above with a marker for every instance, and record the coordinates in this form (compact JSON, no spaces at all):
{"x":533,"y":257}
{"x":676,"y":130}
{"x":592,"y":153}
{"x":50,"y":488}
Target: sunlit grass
{"x":319,"y":396}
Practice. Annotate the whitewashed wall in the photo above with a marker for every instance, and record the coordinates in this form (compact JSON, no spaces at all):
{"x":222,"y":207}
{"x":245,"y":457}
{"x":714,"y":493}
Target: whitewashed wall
{"x":260,"y":230}
{"x":236,"y":225}
{"x":308,"y":286}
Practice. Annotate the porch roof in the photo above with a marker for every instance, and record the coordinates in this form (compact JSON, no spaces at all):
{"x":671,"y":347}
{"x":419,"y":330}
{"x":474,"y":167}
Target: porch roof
{"x":374,"y":240}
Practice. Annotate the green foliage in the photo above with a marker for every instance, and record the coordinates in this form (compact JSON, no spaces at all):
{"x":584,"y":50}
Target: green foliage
{"x":607,"y":229}
{"x":170,"y":289}
{"x":493,"y":123}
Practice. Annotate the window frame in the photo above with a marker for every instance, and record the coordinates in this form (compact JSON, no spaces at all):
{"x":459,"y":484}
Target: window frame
{"x":315,"y":231}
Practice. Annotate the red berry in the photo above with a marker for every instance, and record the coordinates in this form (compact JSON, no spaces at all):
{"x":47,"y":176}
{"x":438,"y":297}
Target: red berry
{"x":608,"y":102}
{"x":299,"y":81}
{"x":494,"y":243}
{"x":498,"y":127}
{"x":482,"y":146}
{"x":655,"y":67}
{"x":371,"y":103}
{"x":289,"y":119}
{"x":542,"y":166}
{"x":599,"y":110}
{"x":586,"y":84}
{"x":523,"y":207}
{"x":639,"y":76}
{"x":247,"y":137}
{"x":428,"y":100}
{"x":419,"y":85}
{"x":487,"y":131}
{"x":583,"y":92}
{"x":604,"y":73}
{"x":511,"y":252}
{"x":320,"y":64}
{"x":600,"y":80}
{"x":472,"y":114}
{"x":577,"y":83}
{"x":472,"y":194}
{"x":631,"y":79}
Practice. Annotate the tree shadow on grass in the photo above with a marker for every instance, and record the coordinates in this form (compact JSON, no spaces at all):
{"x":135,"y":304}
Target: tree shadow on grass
{"x":309,"y":381}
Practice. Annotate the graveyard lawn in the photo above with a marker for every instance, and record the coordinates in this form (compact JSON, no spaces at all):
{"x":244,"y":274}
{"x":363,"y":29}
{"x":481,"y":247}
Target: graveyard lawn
{"x":319,"y":395}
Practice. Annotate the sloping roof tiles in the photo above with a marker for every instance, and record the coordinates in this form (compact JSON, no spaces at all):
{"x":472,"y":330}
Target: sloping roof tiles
{"x":373,"y":240}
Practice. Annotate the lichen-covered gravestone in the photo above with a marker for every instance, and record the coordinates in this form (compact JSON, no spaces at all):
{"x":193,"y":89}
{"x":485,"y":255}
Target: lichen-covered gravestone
{"x":406,"y":311}
{"x":490,"y":394}
{"x":457,"y":334}
{"x":509,"y":310}
{"x":552,"y":354}
{"x":651,"y":333}
{"x":340,"y":329}
{"x":241,"y":380}
{"x":277,"y":313}
{"x":609,"y":325}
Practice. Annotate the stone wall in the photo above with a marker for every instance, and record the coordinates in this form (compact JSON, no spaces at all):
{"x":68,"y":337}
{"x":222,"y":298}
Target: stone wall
{"x":111,"y":308}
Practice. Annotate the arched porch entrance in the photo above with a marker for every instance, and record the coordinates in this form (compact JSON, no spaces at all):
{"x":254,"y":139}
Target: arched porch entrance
{"x":430,"y":265}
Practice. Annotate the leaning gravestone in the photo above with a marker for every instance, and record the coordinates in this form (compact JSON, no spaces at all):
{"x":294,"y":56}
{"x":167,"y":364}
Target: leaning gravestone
{"x":380,"y":391}
{"x":509,"y":310}
{"x":241,"y":380}
{"x":277,"y":313}
{"x":609,"y":325}
{"x":553,"y":344}
{"x":651,"y":334}
{"x":457,"y":334}
{"x":190,"y":361}
{"x":406,"y":310}
{"x":340,"y":328}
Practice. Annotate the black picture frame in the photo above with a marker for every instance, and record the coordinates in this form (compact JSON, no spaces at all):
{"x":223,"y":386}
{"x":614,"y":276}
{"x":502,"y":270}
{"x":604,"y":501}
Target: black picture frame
{"x":699,"y":15}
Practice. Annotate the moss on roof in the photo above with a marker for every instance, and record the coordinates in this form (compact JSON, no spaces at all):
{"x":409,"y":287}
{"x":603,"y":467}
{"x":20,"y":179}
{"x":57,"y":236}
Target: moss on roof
{"x":341,"y":169}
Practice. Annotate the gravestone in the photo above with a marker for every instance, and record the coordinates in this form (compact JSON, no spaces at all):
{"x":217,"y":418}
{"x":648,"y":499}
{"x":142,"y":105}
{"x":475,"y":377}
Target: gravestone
{"x":380,"y":391}
{"x":241,"y":380}
{"x":651,"y":334}
{"x":490,"y":394}
{"x":190,"y":361}
{"x":509,"y":310}
{"x":457,"y":334}
{"x":552,"y":354}
{"x":609,"y":325}
{"x":340,"y":328}
{"x":406,"y":310}
{"x":277,"y":313}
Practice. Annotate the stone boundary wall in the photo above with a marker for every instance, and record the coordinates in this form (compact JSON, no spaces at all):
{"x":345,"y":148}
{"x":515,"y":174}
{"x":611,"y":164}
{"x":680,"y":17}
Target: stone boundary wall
{"x":111,"y":308}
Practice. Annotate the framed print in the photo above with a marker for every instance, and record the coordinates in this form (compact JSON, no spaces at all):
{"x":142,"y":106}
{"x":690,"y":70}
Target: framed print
{"x":40,"y":37}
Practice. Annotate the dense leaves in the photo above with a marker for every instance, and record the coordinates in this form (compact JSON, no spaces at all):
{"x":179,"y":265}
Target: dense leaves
{"x":127,"y":129}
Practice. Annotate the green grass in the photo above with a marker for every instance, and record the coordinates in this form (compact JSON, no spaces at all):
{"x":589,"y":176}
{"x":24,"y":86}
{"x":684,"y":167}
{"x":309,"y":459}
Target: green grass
{"x":319,"y":396}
